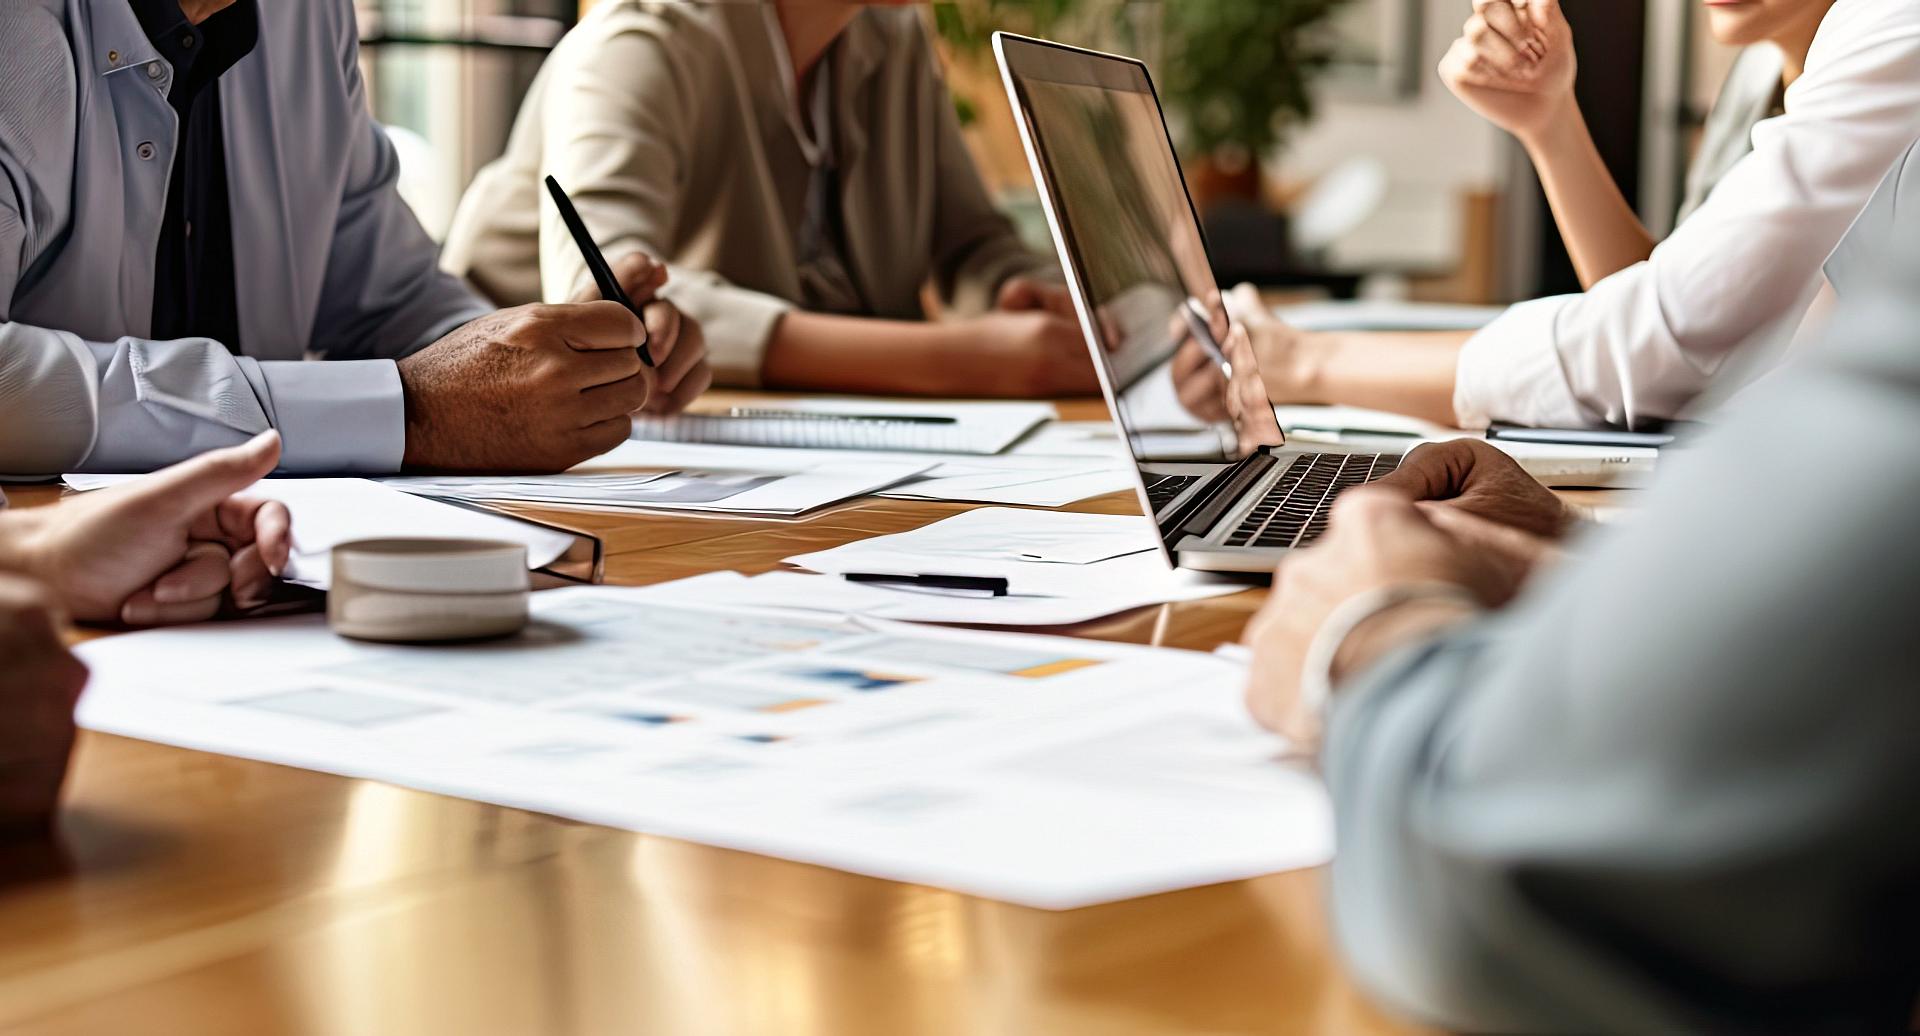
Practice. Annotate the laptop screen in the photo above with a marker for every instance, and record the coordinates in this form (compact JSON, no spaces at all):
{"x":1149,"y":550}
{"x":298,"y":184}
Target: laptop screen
{"x":1129,"y":234}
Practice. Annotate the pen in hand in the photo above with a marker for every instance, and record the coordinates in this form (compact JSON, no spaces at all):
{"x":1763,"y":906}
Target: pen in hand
{"x":597,"y":265}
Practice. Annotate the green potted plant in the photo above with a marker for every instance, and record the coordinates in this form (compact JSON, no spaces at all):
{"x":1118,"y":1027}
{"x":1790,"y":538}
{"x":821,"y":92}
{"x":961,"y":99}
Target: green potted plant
{"x":1239,"y":74}
{"x":967,"y":28}
{"x":1236,"y":74}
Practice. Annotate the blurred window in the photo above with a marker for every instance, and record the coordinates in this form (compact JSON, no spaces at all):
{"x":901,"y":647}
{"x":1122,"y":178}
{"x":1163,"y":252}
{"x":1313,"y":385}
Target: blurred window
{"x":447,"y":76}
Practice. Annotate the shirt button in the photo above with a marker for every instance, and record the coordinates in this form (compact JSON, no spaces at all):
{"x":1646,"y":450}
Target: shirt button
{"x":113,"y":57}
{"x":153,"y":70}
{"x":145,"y":151}
{"x":186,"y":42}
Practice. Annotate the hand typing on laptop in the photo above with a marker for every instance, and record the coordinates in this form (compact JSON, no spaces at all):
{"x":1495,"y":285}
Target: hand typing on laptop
{"x":1458,"y":525}
{"x":1473,"y":477}
{"x":1382,"y":553}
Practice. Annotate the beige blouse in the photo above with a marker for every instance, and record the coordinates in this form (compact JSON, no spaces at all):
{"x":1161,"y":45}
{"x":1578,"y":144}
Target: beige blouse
{"x":672,"y":127}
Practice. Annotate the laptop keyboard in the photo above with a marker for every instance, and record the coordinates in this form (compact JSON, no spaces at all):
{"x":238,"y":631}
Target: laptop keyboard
{"x":1167,"y":488}
{"x":1294,"y":512}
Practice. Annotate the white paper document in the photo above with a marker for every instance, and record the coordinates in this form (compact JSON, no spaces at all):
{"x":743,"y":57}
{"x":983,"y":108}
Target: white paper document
{"x":857,"y":424}
{"x":1049,"y":485}
{"x":773,"y":494}
{"x":807,"y":592}
{"x":999,"y":534}
{"x":1032,"y":474}
{"x":327,"y":512}
{"x":1049,"y":772}
{"x":557,"y":490}
{"x":1061,"y":439}
{"x":1060,"y":567}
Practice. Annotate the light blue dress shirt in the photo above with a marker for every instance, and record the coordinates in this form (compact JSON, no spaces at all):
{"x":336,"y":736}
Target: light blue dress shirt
{"x":329,"y":262}
{"x":1883,"y":226}
{"x":1671,"y":788}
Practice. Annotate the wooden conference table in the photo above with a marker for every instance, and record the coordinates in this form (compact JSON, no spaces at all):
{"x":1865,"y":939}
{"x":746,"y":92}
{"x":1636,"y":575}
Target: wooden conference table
{"x":204,"y":894}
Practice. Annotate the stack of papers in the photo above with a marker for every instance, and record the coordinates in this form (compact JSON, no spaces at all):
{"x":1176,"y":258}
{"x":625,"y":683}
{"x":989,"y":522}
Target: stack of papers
{"x":330,"y":511}
{"x":751,"y":493}
{"x":857,"y":424}
{"x":1048,"y":772}
{"x":1057,"y":465}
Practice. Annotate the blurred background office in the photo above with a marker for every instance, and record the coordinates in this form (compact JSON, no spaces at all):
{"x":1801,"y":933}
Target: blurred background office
{"x":1346,"y":170}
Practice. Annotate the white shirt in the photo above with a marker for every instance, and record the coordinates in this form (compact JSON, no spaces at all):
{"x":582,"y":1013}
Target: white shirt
{"x":1740,"y":274}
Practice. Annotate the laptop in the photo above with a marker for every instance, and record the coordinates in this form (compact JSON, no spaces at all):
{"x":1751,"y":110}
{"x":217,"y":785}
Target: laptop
{"x":1142,"y":283}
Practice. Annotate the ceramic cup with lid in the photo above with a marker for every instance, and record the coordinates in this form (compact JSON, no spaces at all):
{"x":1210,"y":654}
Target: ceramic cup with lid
{"x":428,"y":590}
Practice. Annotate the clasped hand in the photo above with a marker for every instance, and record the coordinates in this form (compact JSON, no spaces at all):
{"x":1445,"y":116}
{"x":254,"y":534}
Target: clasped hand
{"x":1514,"y":65}
{"x":1458,"y":514}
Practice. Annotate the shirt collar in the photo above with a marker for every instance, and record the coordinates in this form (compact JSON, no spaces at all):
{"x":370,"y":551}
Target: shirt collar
{"x":817,"y":146}
{"x":118,"y":40}
{"x":200,"y":53}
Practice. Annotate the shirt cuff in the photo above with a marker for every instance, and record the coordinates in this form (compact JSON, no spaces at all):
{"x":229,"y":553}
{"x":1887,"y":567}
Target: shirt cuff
{"x":338,"y":416}
{"x":1510,"y":371}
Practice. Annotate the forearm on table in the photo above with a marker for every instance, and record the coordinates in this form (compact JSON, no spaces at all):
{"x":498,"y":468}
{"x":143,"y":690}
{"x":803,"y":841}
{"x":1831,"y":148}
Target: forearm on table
{"x":1601,"y":231}
{"x":821,"y":352}
{"x":971,"y":287}
{"x":18,"y":531}
{"x":1408,"y":373}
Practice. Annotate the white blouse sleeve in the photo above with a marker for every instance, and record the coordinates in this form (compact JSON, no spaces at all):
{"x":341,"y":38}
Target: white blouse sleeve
{"x":1741,"y":273}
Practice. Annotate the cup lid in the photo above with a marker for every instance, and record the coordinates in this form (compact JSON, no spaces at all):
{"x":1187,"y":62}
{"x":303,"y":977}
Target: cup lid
{"x":432,"y":566}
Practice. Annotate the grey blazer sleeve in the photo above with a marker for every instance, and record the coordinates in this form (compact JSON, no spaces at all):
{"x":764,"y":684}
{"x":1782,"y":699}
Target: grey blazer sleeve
{"x":132,"y":405}
{"x":68,"y":404}
{"x":47,"y":389}
{"x":1674,"y":789}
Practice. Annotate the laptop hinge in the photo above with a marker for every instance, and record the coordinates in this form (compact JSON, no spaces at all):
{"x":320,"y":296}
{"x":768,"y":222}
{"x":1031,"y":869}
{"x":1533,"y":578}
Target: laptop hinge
{"x":1207,"y":507}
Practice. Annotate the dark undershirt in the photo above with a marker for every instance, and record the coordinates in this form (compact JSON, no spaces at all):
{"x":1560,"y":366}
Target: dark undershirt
{"x":194,"y":294}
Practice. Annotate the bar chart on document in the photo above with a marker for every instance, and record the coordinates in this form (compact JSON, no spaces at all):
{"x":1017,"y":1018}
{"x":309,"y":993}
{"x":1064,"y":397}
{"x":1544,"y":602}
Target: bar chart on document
{"x":936,"y":756}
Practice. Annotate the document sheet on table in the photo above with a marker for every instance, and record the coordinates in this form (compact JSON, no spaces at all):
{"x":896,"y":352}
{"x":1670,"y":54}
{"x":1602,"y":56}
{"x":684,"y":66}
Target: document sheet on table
{"x":327,"y":512}
{"x":1049,"y":772}
{"x":757,"y":494}
{"x":1058,"y":464}
{"x":929,"y":426}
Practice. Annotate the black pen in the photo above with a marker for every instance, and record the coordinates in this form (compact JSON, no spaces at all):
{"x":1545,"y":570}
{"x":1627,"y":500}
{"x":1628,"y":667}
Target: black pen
{"x":994,"y":585}
{"x":597,"y":264}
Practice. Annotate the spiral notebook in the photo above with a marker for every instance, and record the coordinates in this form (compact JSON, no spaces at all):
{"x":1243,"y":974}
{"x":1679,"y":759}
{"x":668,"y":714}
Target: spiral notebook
{"x":856,"y":424}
